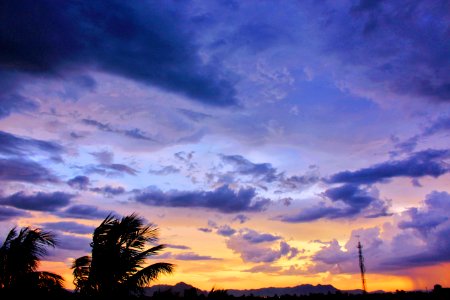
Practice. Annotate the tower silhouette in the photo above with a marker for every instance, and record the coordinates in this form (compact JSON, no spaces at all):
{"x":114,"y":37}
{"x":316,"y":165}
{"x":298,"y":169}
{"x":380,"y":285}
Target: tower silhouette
{"x":362,"y":267}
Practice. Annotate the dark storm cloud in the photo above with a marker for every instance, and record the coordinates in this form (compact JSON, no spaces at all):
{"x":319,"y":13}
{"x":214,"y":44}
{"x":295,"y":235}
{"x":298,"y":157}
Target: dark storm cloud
{"x":8,"y":213}
{"x":381,"y":40}
{"x":39,"y":201}
{"x":25,"y":171}
{"x":134,"y":133}
{"x":79,"y":182}
{"x":222,"y":199}
{"x":132,"y":40}
{"x":21,"y":146}
{"x":347,"y":201}
{"x":424,"y":163}
{"x":83,"y":211}
{"x":70,"y":227}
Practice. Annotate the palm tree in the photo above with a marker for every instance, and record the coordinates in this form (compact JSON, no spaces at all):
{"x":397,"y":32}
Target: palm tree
{"x":116,"y":266}
{"x":20,"y":255}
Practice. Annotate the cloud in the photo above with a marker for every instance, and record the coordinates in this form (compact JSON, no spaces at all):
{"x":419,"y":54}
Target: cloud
{"x":70,"y":227}
{"x":8,"y":213}
{"x":376,"y":47}
{"x":25,"y":171}
{"x":264,"y":268}
{"x":256,"y":253}
{"x":225,"y":230}
{"x":442,"y":124}
{"x":253,"y":246}
{"x":40,"y":201}
{"x":346,"y":201}
{"x":20,"y":146}
{"x":79,"y":182}
{"x":71,"y":242}
{"x":111,"y":169}
{"x":425,"y":220}
{"x":241,"y":218}
{"x":193,"y":115}
{"x":84,"y":211}
{"x":43,"y":39}
{"x":134,"y":133}
{"x":255,"y":237}
{"x":181,"y":247}
{"x":11,"y":102}
{"x":186,"y":256}
{"x":193,"y":256}
{"x":417,"y":237}
{"x":205,"y":230}
{"x":103,"y":157}
{"x":243,"y":166}
{"x":424,"y":163}
{"x":109,"y":191}
{"x":166,"y":170}
{"x":222,"y":199}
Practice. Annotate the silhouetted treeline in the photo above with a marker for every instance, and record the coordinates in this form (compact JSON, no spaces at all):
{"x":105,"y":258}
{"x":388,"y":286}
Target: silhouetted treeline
{"x":437,"y":294}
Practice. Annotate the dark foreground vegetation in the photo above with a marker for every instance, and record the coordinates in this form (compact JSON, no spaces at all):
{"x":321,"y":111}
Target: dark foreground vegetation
{"x":116,"y":268}
{"x":438,"y":294}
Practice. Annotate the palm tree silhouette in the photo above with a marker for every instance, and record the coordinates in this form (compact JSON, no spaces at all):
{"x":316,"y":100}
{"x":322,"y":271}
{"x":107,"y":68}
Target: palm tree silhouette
{"x":20,"y":255}
{"x":116,"y":266}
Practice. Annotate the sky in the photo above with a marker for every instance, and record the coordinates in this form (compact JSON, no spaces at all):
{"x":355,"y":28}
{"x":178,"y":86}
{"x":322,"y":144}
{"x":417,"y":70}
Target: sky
{"x":263,"y":138}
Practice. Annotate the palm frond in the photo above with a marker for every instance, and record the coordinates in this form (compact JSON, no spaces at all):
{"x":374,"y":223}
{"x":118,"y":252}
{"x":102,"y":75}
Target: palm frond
{"x":149,"y":273}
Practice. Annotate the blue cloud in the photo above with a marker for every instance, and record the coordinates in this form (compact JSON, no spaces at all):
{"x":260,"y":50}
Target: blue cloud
{"x":255,"y":237}
{"x":25,"y":171}
{"x":225,"y":230}
{"x":41,"y":38}
{"x":243,"y":166}
{"x":222,"y":199}
{"x":13,"y":145}
{"x":84,"y":211}
{"x":109,"y":191}
{"x":8,"y":213}
{"x":39,"y":201}
{"x":347,"y":201}
{"x":134,"y":133}
{"x":79,"y":182}
{"x":424,"y":163}
{"x":69,"y":226}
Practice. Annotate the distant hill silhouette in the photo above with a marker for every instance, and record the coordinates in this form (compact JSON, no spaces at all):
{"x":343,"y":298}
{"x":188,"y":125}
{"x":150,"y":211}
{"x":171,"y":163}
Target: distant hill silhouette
{"x":299,"y":290}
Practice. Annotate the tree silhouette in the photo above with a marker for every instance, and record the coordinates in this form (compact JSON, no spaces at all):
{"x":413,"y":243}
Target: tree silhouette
{"x":116,"y":266}
{"x":20,"y":255}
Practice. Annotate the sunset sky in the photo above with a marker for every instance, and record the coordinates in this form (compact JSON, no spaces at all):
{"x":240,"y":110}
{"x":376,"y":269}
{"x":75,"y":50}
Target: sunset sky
{"x":262,"y":137}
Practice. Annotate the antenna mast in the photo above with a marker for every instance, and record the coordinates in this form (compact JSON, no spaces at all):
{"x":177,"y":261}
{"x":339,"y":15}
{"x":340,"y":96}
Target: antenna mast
{"x":362,"y":267}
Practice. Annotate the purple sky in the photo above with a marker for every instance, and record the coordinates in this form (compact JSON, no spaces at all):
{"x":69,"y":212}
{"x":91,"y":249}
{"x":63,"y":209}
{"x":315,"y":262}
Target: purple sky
{"x":261,"y":136}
